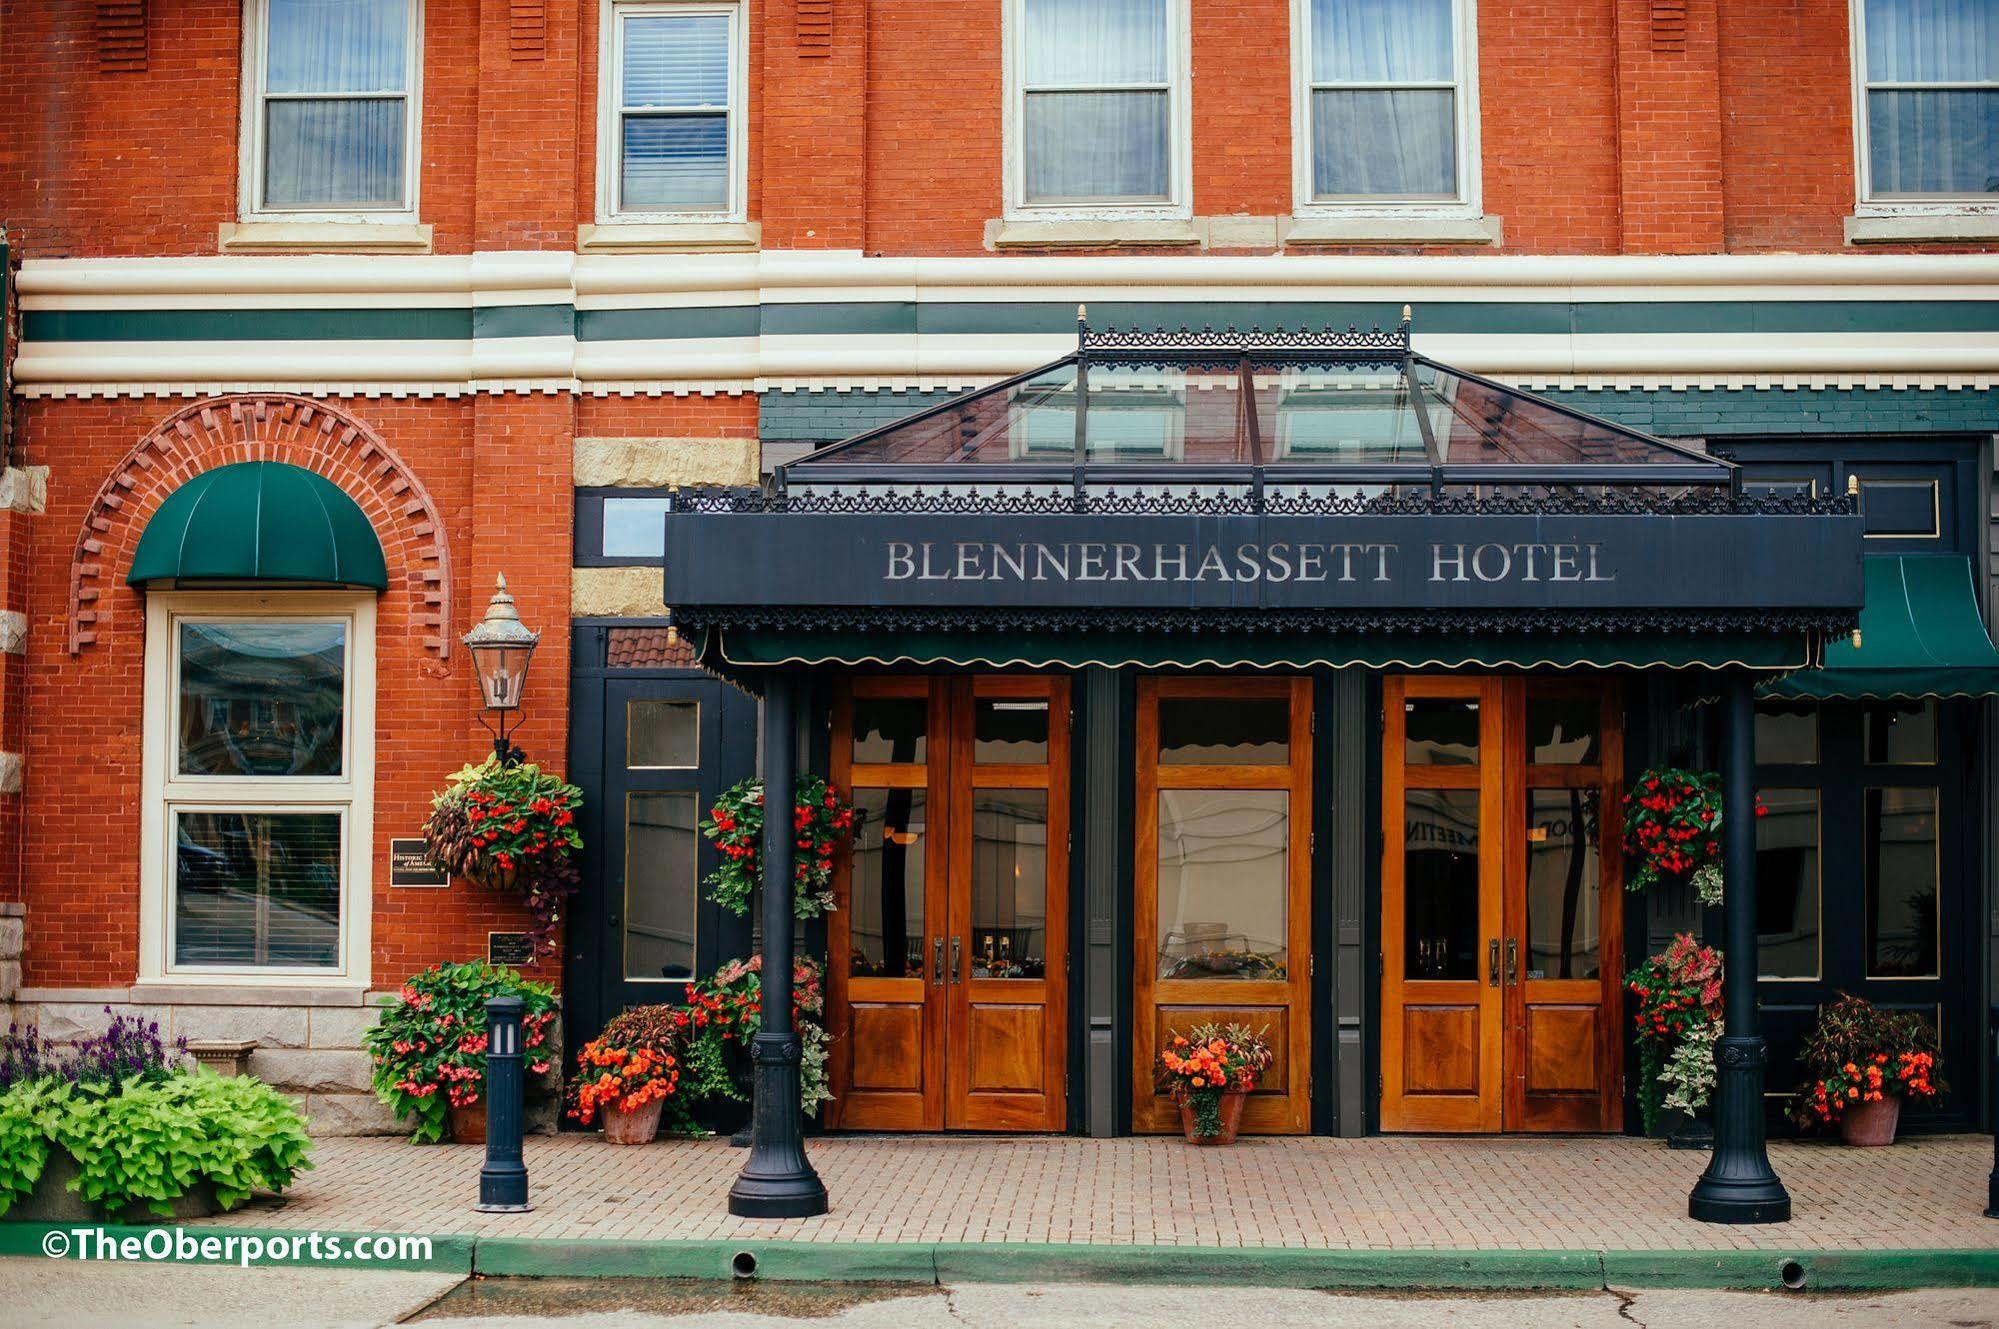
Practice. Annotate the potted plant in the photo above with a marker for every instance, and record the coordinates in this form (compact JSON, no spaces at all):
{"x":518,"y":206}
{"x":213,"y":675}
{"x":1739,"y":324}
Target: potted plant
{"x":1860,"y":1062}
{"x":628,"y":1084}
{"x":429,"y":1047}
{"x":821,"y":820}
{"x":1209,"y":1071}
{"x":1676,"y":1009}
{"x":510,"y":827}
{"x":119,"y":1128}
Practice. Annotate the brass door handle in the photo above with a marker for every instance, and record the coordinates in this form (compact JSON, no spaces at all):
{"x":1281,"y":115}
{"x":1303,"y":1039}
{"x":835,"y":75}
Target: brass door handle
{"x":1512,"y":959}
{"x":1492,"y":962}
{"x":954,"y":959}
{"x":937,"y":961}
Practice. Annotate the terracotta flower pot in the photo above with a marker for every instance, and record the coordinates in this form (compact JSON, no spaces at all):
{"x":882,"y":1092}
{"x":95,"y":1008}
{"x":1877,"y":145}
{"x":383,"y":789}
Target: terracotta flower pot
{"x":468,"y":1124}
{"x":636,"y":1127}
{"x":1232,"y":1101}
{"x":1871,"y":1125}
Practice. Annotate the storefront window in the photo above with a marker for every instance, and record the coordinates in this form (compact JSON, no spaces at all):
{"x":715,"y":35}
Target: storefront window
{"x":1440,"y":731}
{"x":1009,"y":883}
{"x":1564,"y":880}
{"x":1009,"y":731}
{"x":891,"y":730}
{"x":1214,"y":731}
{"x":887,"y":895}
{"x":662,"y":884}
{"x":1787,"y":733}
{"x":1788,"y":883}
{"x":1900,"y":733}
{"x":1224,"y":882}
{"x":662,"y":735}
{"x":1899,"y":859}
{"x":1440,"y":884}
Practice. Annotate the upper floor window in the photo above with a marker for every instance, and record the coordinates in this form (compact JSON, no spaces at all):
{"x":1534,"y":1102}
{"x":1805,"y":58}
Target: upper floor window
{"x":670,"y":134}
{"x":1100,"y":104}
{"x":330,"y":109}
{"x":1387,"y":102}
{"x":1929,"y":91}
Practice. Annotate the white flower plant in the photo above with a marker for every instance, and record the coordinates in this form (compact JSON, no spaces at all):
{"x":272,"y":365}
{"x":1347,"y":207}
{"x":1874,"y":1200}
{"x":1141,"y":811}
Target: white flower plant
{"x":1688,"y":1074}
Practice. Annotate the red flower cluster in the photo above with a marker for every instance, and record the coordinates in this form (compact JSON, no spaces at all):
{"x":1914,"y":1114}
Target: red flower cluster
{"x":1859,"y":1053}
{"x":821,"y":822}
{"x":1211,"y":1058}
{"x":625,"y":1079}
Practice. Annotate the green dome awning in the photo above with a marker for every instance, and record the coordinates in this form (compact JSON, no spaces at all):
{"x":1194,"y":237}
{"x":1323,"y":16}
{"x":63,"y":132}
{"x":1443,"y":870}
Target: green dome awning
{"x":260,"y":521}
{"x":1920,"y":636}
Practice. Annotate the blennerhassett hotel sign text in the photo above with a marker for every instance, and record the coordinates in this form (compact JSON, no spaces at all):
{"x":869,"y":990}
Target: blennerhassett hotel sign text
{"x":1246,"y":561}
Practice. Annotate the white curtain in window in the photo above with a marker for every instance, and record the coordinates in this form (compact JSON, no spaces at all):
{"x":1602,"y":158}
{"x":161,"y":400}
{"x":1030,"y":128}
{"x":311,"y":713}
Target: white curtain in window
{"x":336,"y":78}
{"x":675,"y":134}
{"x":1932,"y":140}
{"x":1371,"y":138}
{"x":1097,"y":119}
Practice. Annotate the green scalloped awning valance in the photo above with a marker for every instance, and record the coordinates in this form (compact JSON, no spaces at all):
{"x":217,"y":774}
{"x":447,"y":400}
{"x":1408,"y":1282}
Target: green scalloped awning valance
{"x":260,"y":521}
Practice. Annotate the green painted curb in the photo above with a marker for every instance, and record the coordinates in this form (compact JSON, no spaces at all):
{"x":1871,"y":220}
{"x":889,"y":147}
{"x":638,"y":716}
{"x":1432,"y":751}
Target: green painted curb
{"x":793,"y":1261}
{"x":193,"y":1243}
{"x":1268,"y":1266}
{"x":1818,"y":1270}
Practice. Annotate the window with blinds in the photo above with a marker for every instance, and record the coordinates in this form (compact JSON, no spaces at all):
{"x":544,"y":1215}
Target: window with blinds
{"x":672,"y":123}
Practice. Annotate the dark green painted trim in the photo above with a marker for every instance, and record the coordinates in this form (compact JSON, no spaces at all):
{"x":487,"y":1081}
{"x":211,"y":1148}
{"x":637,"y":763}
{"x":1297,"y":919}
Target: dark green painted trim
{"x":901,"y":317}
{"x":996,"y":1262}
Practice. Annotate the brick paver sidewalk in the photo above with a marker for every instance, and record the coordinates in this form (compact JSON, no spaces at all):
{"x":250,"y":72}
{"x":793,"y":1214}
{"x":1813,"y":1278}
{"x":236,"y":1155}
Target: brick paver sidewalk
{"x":1385,"y":1193}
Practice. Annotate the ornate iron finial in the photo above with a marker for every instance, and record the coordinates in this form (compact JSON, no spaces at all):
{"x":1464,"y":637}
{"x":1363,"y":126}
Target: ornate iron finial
{"x":1407,"y":316}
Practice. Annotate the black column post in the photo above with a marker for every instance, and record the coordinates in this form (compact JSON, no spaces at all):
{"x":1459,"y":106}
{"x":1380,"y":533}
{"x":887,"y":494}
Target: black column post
{"x":503,"y":1181}
{"x":1739,"y":1185}
{"x":777,"y":1180}
{"x":1992,"y":1182}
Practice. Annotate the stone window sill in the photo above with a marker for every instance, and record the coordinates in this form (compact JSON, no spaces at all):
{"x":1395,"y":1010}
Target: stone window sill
{"x":670,"y":237}
{"x":1301,"y":232}
{"x":285,"y":237}
{"x":1917,"y":228}
{"x":1108,"y":233}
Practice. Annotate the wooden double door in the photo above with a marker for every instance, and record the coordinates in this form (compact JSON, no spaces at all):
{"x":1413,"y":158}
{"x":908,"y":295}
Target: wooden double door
{"x":948,"y":976}
{"x":1501,"y":910}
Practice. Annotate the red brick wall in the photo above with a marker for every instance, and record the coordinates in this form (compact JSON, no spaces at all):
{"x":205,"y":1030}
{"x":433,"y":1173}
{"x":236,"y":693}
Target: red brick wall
{"x":1603,"y":128}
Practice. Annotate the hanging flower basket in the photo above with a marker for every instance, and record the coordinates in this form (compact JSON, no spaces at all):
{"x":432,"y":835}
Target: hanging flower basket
{"x":1672,"y":830}
{"x":510,"y":828}
{"x":822,"y":822}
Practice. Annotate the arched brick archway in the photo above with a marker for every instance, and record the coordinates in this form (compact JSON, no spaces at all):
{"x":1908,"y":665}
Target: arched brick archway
{"x":264,"y":426}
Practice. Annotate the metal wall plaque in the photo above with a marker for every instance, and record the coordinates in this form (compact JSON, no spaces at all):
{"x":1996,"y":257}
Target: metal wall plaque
{"x":509,"y":948}
{"x":410,"y":865}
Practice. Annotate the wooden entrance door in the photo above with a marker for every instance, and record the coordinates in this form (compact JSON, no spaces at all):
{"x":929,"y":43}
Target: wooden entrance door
{"x":1501,"y":908}
{"x":948,"y":988}
{"x":1222,"y":905}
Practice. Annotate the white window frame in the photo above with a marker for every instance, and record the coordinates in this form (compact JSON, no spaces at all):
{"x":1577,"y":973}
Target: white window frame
{"x":1865,"y":204}
{"x":250,"y":192}
{"x":1464,"y":64}
{"x":610,"y":111}
{"x":1177,"y":205}
{"x":167,"y":792}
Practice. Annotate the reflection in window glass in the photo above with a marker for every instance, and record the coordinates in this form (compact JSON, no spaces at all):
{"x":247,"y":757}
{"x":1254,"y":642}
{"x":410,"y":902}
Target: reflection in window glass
{"x":661,"y":885}
{"x":1224,"y":731}
{"x":1010,"y":731}
{"x":1900,"y":732}
{"x":1562,"y":731}
{"x":887,"y":895}
{"x":1787,"y":733}
{"x":1224,"y":883}
{"x":1440,"y":884}
{"x":257,"y":889}
{"x":634,"y":527}
{"x":261,"y":698}
{"x":1787,"y":884}
{"x":1440,"y":731}
{"x":1563,"y":877}
{"x":662,"y":735}
{"x":890,"y":730}
{"x":1009,"y":883}
{"x":1899,"y":863}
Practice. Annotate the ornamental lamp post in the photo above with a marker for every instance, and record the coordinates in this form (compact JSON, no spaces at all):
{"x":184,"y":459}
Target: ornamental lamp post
{"x":501,"y":646}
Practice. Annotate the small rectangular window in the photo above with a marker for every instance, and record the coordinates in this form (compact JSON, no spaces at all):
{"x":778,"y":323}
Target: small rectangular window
{"x":331,"y":119}
{"x":671,"y":141}
{"x":1929,"y":91}
{"x":1387,"y":103}
{"x":634,"y":527}
{"x":1098,"y":112}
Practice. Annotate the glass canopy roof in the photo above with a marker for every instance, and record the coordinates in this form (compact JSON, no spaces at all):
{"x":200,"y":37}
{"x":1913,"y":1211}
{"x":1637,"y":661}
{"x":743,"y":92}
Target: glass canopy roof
{"x":1210,"y":406}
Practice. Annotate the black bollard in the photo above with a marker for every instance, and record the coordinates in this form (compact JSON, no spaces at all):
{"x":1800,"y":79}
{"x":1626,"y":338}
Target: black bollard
{"x":1992,"y":1182}
{"x":503,"y":1181}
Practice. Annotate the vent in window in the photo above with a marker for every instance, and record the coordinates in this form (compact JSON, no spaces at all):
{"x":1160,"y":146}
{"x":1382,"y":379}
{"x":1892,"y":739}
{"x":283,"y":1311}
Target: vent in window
{"x":813,"y":28}
{"x":1669,"y":25}
{"x":527,"y":29}
{"x":121,"y":36}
